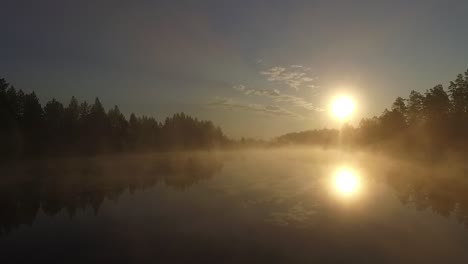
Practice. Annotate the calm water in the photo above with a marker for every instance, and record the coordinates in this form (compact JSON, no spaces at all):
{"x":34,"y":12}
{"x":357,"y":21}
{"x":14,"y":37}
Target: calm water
{"x":256,"y":207}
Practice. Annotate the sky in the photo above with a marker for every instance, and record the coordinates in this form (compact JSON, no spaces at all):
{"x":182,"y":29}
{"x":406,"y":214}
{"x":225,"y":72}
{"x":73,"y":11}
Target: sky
{"x":256,"y":68}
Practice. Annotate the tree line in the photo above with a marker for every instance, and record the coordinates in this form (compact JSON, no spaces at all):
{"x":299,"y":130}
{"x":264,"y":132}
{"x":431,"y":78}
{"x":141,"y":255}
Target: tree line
{"x":431,"y":122}
{"x":29,"y":129}
{"x":434,"y":120}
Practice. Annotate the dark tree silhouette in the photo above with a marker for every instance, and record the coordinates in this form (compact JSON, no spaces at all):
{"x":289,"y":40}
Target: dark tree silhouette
{"x":118,"y":129}
{"x":29,"y":130}
{"x":54,"y":124}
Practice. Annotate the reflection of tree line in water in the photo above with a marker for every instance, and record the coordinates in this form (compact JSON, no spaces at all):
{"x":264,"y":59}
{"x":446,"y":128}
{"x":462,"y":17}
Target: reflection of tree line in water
{"x":441,"y":190}
{"x":77,"y":184}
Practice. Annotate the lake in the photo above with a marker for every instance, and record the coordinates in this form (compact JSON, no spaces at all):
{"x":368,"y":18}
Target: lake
{"x":257,"y":206}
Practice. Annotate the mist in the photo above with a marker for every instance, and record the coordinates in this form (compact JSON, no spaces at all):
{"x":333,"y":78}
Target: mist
{"x":233,"y":131}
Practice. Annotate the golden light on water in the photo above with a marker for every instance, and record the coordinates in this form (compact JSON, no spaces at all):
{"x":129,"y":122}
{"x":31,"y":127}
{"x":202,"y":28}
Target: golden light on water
{"x":346,"y":181}
{"x":343,"y":107}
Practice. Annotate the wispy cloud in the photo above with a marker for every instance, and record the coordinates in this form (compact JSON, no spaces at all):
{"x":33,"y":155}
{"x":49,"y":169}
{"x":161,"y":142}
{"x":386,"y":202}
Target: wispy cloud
{"x":265,"y":92}
{"x":273,"y":110}
{"x":279,"y":103}
{"x":297,"y":101}
{"x":294,"y":76}
{"x":277,"y":96}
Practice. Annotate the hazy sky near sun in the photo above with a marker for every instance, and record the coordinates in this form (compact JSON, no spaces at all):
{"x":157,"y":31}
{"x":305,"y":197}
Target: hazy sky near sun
{"x":256,"y":68}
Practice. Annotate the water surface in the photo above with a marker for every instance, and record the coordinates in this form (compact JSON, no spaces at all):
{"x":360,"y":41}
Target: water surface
{"x":273,"y":206}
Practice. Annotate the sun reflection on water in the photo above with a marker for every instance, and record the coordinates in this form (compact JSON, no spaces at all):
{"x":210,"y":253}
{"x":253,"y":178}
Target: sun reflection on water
{"x":346,"y":181}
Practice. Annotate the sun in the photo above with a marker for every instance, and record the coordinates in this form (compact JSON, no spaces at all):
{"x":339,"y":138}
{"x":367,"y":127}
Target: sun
{"x":343,"y":107}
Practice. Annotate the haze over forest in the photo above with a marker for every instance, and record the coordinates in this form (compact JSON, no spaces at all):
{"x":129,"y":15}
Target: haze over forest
{"x":430,"y":122}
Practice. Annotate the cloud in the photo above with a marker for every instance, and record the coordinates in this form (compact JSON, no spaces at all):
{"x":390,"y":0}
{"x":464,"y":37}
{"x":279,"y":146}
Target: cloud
{"x":295,"y":76}
{"x":265,"y":92}
{"x":273,"y":110}
{"x":298,"y":101}
{"x":278,"y":97}
{"x":296,"y":66}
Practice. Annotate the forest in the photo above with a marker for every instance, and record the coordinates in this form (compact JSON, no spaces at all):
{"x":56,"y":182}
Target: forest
{"x":432,"y":122}
{"x":29,"y":129}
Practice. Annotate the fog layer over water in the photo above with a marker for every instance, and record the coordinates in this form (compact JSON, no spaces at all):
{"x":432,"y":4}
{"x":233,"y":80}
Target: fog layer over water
{"x":282,"y":205}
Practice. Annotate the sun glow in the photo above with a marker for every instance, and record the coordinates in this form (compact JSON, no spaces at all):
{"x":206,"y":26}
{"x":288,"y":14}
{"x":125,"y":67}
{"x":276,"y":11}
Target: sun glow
{"x":346,"y":181}
{"x":343,"y":107}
